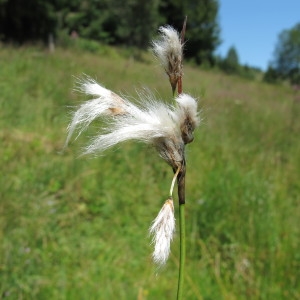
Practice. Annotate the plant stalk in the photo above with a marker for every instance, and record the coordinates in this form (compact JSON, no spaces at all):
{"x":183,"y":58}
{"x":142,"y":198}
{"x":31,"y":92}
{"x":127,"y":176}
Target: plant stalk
{"x":181,"y":198}
{"x":182,"y":251}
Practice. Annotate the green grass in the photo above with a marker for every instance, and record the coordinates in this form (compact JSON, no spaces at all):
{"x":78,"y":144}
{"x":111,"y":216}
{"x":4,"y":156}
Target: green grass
{"x":77,"y":227}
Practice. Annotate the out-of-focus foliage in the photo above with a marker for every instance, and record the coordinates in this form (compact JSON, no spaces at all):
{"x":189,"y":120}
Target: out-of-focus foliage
{"x":230,"y":64}
{"x":271,"y":75}
{"x":287,"y":55}
{"x":115,"y":22}
{"x":23,"y":21}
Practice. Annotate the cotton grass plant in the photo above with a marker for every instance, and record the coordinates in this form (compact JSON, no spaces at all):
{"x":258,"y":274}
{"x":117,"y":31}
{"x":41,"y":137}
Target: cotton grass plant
{"x":167,"y":127}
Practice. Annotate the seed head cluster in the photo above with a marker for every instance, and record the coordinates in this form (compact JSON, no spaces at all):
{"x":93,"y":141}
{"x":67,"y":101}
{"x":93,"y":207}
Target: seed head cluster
{"x":150,"y":121}
{"x":168,"y":128}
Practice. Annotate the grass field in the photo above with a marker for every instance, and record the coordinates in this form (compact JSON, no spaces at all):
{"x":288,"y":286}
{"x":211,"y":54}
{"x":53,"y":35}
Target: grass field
{"x":77,"y":227}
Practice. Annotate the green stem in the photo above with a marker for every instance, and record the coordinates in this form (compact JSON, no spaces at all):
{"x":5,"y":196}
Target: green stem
{"x":181,"y":198}
{"x":182,"y":251}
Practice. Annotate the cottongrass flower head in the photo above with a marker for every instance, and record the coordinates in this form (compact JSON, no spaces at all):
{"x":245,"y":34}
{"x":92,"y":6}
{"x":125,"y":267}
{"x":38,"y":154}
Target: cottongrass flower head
{"x":162,"y":229}
{"x":169,"y":51}
{"x":150,"y":121}
{"x":167,"y":127}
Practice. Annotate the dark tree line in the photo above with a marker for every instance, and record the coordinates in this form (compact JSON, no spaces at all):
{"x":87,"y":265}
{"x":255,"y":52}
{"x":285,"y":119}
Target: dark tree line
{"x":21,"y":21}
{"x":115,"y":22}
{"x":286,"y":61}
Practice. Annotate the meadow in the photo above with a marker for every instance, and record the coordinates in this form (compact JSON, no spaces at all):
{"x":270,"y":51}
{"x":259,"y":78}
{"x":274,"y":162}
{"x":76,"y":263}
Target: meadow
{"x":76,"y":227}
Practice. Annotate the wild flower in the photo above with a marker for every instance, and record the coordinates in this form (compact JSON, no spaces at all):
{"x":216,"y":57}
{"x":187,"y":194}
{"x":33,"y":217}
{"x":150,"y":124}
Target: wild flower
{"x":168,"y":127}
{"x":169,"y":51}
{"x":162,"y":229}
{"x":150,"y":121}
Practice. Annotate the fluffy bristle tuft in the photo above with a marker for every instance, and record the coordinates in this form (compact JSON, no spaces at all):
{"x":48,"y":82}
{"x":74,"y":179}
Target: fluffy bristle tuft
{"x":169,"y":51}
{"x":162,"y":229}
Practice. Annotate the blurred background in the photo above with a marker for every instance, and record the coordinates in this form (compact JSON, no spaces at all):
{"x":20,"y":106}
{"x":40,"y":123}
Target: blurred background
{"x":75,"y":227}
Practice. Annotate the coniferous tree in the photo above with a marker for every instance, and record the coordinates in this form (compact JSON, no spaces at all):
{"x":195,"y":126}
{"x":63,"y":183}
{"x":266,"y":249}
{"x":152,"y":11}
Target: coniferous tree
{"x":26,"y":21}
{"x":271,"y":75}
{"x":136,"y":22}
{"x":287,"y":55}
{"x":231,"y":62}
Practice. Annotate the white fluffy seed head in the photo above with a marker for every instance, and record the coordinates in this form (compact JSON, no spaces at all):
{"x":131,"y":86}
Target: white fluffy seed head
{"x":169,"y":45}
{"x":189,"y":108}
{"x":162,"y":230}
{"x":169,"y":51}
{"x":149,"y":121}
{"x":188,"y":116}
